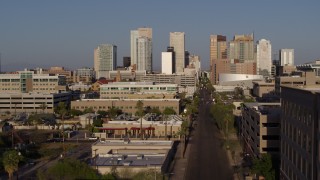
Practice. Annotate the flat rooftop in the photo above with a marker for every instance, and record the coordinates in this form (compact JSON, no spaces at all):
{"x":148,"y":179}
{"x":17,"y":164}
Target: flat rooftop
{"x":130,"y":160}
{"x":133,"y":143}
{"x":129,"y":100}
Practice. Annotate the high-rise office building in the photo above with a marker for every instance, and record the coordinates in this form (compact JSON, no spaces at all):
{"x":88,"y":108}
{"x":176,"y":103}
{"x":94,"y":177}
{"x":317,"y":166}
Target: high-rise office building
{"x":105,"y":59}
{"x":144,"y":48}
{"x":126,"y":62}
{"x":242,"y":48}
{"x":218,"y":52}
{"x":141,"y":58}
{"x":177,"y":41}
{"x":300,"y":135}
{"x":167,"y":62}
{"x":264,"y":61}
{"x":286,"y":57}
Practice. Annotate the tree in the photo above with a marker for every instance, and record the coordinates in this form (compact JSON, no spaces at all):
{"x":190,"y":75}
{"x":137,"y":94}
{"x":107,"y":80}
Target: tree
{"x":156,"y":110}
{"x":62,"y":110}
{"x":75,"y":112}
{"x":166,"y":112}
{"x":69,"y":169}
{"x":88,"y":110}
{"x":183,"y":133}
{"x":114,"y":111}
{"x":43,"y":106}
{"x":140,"y":113}
{"x":263,"y":166}
{"x":102,"y":113}
{"x":11,"y":161}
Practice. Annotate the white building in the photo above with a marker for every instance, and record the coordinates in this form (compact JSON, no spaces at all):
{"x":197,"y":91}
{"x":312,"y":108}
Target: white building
{"x":264,"y":60}
{"x":167,"y":62}
{"x":194,"y":62}
{"x":105,"y":59}
{"x":144,"y":54}
{"x":177,"y":41}
{"x":287,"y":57}
{"x":141,"y":48}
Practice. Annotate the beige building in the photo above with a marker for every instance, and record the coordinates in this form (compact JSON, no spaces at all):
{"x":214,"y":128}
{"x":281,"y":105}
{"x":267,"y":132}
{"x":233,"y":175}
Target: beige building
{"x":180,"y":80}
{"x":27,"y":81}
{"x":260,"y":128}
{"x":218,"y":55}
{"x":31,"y":102}
{"x":300,"y":134}
{"x":137,"y":90}
{"x":302,"y":79}
{"x":131,"y":129}
{"x":242,"y":48}
{"x":177,"y":41}
{"x":131,"y":156}
{"x":263,"y":89}
{"x":56,"y":70}
{"x":126,"y":105}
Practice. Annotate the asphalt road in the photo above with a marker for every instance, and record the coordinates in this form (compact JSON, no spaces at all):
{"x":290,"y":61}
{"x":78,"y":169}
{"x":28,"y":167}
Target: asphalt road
{"x":207,"y":159}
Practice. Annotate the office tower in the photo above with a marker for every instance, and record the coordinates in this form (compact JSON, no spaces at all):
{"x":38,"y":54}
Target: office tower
{"x":177,"y":41}
{"x":144,"y":62}
{"x":141,"y":58}
{"x":300,"y":135}
{"x":194,"y":62}
{"x":242,"y":48}
{"x":167,"y":62}
{"x":264,"y":61}
{"x":105,"y":59}
{"x":126,"y":62}
{"x":286,"y":57}
{"x":218,"y":54}
{"x":186,"y":58}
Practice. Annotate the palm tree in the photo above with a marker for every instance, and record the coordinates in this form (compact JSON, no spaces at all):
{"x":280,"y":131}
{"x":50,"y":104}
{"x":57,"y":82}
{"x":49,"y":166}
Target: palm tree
{"x":62,"y":110}
{"x":140,"y":113}
{"x":183,"y":133}
{"x":166,"y":112}
{"x":43,"y":106}
{"x":11,"y":161}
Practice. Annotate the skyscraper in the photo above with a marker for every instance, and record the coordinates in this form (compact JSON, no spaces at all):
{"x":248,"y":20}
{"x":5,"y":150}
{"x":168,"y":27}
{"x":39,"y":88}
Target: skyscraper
{"x":144,"y":54}
{"x":105,"y":59}
{"x":218,"y":55}
{"x":264,"y":61}
{"x":178,"y":43}
{"x":286,"y":57}
{"x":126,"y":61}
{"x":142,"y":58}
{"x":242,"y":48}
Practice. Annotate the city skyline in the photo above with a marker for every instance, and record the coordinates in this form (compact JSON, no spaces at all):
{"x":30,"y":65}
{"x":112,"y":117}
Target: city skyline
{"x":43,"y":34}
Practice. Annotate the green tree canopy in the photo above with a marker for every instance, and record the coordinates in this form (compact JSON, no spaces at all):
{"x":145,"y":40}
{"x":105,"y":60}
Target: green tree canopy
{"x":61,"y":109}
{"x":11,"y":161}
{"x":69,"y":169}
{"x":263,"y":166}
{"x":75,"y":112}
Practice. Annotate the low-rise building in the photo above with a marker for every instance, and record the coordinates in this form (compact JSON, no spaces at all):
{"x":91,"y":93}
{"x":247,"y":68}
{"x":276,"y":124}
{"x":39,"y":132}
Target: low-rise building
{"x":131,"y":155}
{"x":152,"y":129}
{"x":137,"y":90}
{"x":126,"y":105}
{"x":260,"y":128}
{"x":301,"y":79}
{"x":179,"y":79}
{"x":263,"y":89}
{"x":27,"y":81}
{"x":32,"y":102}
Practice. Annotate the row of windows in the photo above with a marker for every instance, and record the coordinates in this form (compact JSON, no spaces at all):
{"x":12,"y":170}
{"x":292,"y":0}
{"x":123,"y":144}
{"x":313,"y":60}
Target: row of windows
{"x":299,"y":137}
{"x":9,"y":84}
{"x":138,"y":88}
{"x":10,"y":89}
{"x":119,"y":107}
{"x":44,"y":84}
{"x":304,"y":167}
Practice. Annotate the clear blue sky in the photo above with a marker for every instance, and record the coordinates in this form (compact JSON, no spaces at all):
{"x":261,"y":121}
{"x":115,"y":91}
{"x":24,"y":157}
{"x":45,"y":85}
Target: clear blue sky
{"x":43,"y":33}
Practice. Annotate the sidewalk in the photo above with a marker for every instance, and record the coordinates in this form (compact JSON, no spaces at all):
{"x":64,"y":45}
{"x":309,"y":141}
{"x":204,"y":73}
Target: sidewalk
{"x":180,"y":164}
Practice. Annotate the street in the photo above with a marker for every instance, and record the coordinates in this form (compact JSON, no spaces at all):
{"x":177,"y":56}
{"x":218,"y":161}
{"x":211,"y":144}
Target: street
{"x":207,"y":159}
